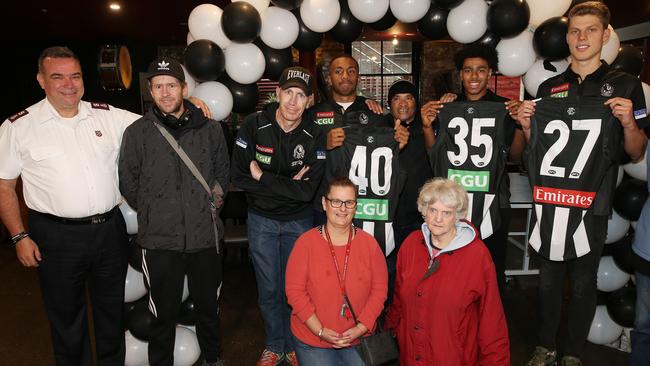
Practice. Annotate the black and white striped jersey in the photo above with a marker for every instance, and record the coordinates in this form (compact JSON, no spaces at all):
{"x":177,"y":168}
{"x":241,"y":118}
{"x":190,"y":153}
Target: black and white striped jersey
{"x":370,"y":158}
{"x":471,"y":149}
{"x":573,"y":143}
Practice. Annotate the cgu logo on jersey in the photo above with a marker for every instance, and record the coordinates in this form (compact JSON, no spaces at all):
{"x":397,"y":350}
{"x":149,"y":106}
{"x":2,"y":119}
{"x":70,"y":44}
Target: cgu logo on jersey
{"x":264,"y":159}
{"x":371,"y":209}
{"x":325,"y":118}
{"x":473,"y":181}
{"x":563,"y":197}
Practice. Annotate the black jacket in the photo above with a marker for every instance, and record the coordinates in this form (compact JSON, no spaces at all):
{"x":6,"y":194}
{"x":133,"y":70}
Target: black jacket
{"x":280,"y":155}
{"x":173,"y":208}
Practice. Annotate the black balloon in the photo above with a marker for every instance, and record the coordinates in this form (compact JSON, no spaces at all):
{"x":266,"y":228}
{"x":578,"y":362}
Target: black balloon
{"x":630,"y":197}
{"x":307,"y":40}
{"x":387,"y":21}
{"x":434,"y":24}
{"x":629,"y":59}
{"x":348,"y":28}
{"x":550,"y":39}
{"x":447,"y":4}
{"x":244,"y":96}
{"x":507,"y":18}
{"x":138,"y":318}
{"x":287,"y":4}
{"x":488,"y":39}
{"x":276,"y":61}
{"x":621,"y":306}
{"x":187,"y":313}
{"x":241,"y":22}
{"x":623,"y":254}
{"x":135,"y":254}
{"x":204,"y":60}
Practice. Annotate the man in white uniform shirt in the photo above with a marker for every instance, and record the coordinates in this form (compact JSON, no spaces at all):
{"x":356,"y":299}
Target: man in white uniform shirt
{"x":66,"y":152}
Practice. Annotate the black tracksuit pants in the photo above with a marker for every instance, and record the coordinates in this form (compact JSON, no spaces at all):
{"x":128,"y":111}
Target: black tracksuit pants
{"x":165,"y":272}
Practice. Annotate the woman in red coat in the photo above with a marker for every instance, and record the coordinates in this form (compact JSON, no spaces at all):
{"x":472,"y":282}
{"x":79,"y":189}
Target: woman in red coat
{"x":447,"y":310}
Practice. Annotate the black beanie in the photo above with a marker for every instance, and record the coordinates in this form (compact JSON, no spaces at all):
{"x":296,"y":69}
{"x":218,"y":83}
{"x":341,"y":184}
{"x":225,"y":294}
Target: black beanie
{"x":402,"y":86}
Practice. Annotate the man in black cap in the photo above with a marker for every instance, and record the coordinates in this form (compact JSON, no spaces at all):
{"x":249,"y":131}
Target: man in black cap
{"x":403,"y":101}
{"x":278,"y":160}
{"x":178,"y":228}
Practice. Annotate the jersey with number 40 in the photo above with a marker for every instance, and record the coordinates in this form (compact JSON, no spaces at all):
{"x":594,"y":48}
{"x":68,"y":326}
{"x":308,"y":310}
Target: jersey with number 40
{"x":471,"y":150}
{"x":573,"y":142}
{"x":370,"y":158}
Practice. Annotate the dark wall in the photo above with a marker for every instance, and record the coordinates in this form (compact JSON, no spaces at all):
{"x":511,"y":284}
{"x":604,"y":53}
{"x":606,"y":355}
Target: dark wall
{"x":22,"y":89}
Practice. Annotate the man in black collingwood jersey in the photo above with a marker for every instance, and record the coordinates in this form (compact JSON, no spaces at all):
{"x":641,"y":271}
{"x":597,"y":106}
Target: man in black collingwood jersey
{"x":344,"y":108}
{"x":475,"y":64}
{"x":278,"y":160}
{"x":587,"y":76}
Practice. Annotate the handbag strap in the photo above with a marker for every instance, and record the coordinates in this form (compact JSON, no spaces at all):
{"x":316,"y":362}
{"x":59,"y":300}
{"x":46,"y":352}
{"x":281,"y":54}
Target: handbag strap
{"x":188,"y":162}
{"x":354,"y":315}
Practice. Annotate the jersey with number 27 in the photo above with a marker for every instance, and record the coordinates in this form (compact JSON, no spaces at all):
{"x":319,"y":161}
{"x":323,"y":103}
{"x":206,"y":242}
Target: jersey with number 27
{"x":573,"y":142}
{"x":369,"y":156}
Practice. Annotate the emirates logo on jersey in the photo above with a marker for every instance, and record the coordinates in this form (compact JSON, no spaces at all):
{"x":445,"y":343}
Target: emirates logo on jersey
{"x":563,"y":197}
{"x":571,"y":111}
{"x":370,"y":139}
{"x":98,"y":133}
{"x":470,"y":110}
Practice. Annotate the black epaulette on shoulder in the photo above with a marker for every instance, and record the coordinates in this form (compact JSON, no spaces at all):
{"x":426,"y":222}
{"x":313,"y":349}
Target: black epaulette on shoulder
{"x":103,"y":106}
{"x":16,"y":116}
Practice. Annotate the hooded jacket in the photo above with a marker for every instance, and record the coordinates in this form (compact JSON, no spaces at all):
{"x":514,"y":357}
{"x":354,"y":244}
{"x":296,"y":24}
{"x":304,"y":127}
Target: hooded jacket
{"x":280,"y":155}
{"x":453,"y":316}
{"x":173,"y":208}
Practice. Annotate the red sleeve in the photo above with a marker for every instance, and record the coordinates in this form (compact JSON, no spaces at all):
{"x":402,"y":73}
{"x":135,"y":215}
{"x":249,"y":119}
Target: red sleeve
{"x":296,"y":279}
{"x":379,"y":287}
{"x":493,"y":339}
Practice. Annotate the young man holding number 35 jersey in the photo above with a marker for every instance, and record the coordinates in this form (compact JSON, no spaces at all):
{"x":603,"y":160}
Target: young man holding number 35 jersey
{"x":577,"y":133}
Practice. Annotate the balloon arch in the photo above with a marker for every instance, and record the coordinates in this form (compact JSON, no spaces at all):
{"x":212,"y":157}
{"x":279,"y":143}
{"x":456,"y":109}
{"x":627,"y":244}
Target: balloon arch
{"x":249,"y":39}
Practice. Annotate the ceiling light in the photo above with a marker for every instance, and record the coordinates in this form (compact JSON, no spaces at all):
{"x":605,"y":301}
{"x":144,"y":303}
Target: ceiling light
{"x":395,"y":41}
{"x":115,"y":6}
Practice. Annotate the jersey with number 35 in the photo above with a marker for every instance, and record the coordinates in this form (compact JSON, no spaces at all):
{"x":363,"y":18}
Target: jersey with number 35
{"x":573,"y":142}
{"x":471,"y":150}
{"x":370,"y":158}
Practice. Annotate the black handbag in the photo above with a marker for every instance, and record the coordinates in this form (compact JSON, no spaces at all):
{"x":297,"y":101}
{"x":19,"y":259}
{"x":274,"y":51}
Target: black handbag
{"x":378,"y":348}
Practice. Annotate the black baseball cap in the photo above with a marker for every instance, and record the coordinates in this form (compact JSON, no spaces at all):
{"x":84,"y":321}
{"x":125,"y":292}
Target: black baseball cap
{"x":402,"y":86}
{"x":165,"y":66}
{"x":298,"y":77}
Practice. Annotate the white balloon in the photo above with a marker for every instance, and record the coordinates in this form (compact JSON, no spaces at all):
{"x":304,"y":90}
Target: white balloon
{"x":189,"y":80}
{"x":619,"y":177}
{"x":467,"y":22}
{"x":368,"y":11}
{"x":279,"y":28}
{"x":260,"y":5}
{"x":130,"y":217}
{"x":186,"y":290}
{"x":136,"y":351}
{"x":603,"y":329}
{"x":190,"y":38}
{"x":638,"y":170}
{"x":610,"y":277}
{"x":320,"y":15}
{"x":205,"y":23}
{"x":134,"y":287}
{"x":244,"y":63}
{"x":217,"y":97}
{"x":610,"y":48}
{"x":617,"y":227}
{"x":409,"y":11}
{"x":540,"y":10}
{"x":537,"y":74}
{"x":186,"y":347}
{"x":516,"y":55}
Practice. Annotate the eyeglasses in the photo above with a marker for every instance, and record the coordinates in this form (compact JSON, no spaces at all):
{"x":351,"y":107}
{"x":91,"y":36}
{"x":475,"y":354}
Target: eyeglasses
{"x":336,"y":203}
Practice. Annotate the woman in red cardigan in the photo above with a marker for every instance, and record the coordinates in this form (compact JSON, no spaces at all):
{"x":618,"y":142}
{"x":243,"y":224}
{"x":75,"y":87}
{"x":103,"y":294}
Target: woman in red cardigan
{"x":447,"y":310}
{"x":326,"y":264}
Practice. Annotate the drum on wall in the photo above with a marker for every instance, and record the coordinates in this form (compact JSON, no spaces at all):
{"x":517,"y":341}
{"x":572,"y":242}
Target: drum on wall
{"x":114,"y":66}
